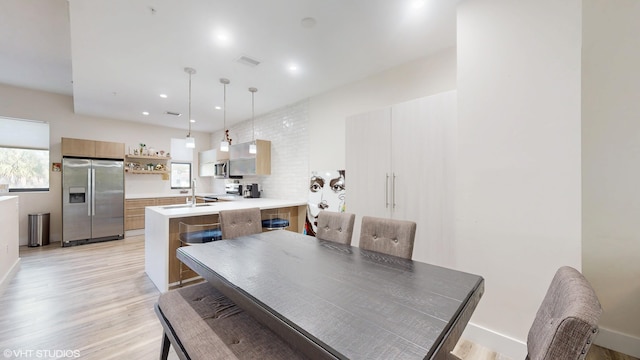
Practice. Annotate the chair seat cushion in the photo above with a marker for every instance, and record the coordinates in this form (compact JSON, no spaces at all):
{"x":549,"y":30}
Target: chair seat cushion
{"x":211,"y":326}
{"x":275,"y":223}
{"x":201,"y":236}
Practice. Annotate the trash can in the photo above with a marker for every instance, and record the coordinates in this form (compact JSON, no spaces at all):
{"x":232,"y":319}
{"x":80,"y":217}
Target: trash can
{"x":38,"y":229}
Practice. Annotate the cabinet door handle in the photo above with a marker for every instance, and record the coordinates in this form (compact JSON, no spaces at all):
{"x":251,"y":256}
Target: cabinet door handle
{"x":393,"y":190}
{"x":386,"y":192}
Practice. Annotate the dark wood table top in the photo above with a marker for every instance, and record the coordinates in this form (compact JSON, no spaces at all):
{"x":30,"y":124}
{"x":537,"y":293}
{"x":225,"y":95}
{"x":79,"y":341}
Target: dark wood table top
{"x":337,"y":301}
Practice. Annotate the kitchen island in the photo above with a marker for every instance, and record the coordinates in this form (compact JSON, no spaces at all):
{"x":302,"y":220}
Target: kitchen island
{"x":162,"y":228}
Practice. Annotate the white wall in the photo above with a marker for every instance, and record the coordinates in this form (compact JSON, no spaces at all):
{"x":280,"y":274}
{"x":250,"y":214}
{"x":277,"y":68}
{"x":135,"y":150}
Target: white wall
{"x":288,"y":130}
{"x":9,"y":261}
{"x":519,"y":189}
{"x":611,"y":173}
{"x":327,"y":112}
{"x":58,"y":111}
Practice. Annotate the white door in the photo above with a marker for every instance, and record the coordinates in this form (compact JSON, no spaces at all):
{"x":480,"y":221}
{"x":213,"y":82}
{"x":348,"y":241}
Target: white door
{"x":423,"y":162}
{"x":368,"y":166}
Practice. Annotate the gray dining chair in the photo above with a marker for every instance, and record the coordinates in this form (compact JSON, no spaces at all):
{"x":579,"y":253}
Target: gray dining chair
{"x":241,"y":222}
{"x":388,"y":236}
{"x":567,"y":321}
{"x":335,"y":226}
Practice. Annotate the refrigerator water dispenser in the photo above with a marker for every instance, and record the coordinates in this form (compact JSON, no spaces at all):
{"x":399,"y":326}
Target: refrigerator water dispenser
{"x":77,"y":195}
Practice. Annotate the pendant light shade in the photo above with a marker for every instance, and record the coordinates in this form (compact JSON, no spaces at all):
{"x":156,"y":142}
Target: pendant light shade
{"x":224,"y":144}
{"x":189,"y":141}
{"x":253,"y":149}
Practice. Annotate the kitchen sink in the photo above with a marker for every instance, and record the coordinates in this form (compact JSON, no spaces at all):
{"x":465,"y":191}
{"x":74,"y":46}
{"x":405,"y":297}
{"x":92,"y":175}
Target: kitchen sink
{"x":186,"y":206}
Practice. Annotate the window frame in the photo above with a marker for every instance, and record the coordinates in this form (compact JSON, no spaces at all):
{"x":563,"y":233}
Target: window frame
{"x":171,"y":174}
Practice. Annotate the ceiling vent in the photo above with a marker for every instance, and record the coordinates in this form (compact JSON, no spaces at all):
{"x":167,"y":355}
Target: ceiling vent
{"x":173,"y":113}
{"x":248,"y":61}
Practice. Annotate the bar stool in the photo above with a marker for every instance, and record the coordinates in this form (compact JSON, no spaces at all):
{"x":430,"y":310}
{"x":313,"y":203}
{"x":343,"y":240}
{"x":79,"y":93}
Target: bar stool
{"x":189,"y":234}
{"x":277,"y":221}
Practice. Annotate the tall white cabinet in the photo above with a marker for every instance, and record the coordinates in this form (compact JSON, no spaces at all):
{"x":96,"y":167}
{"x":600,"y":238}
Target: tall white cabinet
{"x":400,"y":163}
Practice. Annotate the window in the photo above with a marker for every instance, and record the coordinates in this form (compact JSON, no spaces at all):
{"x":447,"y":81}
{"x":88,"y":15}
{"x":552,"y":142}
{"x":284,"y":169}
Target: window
{"x":24,"y":154}
{"x":180,"y":175}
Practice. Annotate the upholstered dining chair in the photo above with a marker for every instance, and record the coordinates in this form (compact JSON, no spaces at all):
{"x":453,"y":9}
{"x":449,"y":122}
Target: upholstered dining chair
{"x":567,"y":321}
{"x":388,"y":236}
{"x":335,"y":226}
{"x":240,"y":222}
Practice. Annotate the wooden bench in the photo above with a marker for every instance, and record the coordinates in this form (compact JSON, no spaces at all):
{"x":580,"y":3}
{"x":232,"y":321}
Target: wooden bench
{"x":201,"y":323}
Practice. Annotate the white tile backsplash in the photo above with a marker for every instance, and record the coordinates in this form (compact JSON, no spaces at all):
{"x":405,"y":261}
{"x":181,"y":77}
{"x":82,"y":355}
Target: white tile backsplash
{"x":288,"y":130}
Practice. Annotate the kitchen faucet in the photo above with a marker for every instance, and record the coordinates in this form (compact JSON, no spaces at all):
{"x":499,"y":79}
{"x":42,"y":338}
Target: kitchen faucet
{"x":193,"y":193}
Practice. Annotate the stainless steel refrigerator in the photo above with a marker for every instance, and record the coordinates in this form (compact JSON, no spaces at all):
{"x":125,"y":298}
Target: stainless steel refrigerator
{"x":92,"y":200}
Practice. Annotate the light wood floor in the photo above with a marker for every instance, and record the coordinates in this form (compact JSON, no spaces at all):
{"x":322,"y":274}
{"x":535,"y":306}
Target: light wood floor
{"x":97,"y":300}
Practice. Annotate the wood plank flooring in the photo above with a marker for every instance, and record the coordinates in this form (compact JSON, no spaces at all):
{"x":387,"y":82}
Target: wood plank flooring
{"x":96,"y":299}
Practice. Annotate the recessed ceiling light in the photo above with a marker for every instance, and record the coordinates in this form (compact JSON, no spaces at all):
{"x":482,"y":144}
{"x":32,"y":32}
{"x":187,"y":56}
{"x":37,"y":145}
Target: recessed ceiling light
{"x":145,"y":113}
{"x":218,"y":107}
{"x":417,"y":4}
{"x":293,"y":68}
{"x":222,"y":37}
{"x":192,"y":120}
{"x":164,"y":96}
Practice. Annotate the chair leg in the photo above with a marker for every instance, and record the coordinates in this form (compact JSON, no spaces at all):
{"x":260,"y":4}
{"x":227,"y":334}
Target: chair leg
{"x":164,"y":352}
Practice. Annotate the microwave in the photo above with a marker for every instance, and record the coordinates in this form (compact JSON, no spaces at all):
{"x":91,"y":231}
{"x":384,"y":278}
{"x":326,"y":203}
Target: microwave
{"x":222,"y":170}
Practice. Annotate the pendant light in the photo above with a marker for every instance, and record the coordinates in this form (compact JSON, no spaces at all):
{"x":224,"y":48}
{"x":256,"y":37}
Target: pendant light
{"x":224,"y":144}
{"x":190,"y":142}
{"x":253,"y":148}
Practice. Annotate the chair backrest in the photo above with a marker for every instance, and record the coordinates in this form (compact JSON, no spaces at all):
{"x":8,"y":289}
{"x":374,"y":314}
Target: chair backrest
{"x":567,"y":320}
{"x":388,"y":236}
{"x":335,"y":226}
{"x":240,"y":222}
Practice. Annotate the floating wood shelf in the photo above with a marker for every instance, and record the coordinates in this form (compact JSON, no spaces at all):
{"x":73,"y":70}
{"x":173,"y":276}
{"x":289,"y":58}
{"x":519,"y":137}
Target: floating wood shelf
{"x":148,"y":157}
{"x":150,"y":172}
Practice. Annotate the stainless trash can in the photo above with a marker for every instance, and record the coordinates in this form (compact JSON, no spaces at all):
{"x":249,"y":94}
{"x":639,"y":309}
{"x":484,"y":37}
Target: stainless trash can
{"x":38,"y":229}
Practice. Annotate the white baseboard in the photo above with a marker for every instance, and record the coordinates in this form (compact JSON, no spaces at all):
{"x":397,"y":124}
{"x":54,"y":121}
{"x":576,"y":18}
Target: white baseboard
{"x":620,"y":342}
{"x":505,"y":345}
{"x":4,"y":282}
{"x":516,"y":349}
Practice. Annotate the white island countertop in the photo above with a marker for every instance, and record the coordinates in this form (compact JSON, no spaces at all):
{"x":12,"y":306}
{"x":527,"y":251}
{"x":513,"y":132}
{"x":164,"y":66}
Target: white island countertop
{"x":157,"y":234}
{"x":180,"y":210}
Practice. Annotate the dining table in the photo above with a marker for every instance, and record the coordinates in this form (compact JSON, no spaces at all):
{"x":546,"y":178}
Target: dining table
{"x":334,"y":301}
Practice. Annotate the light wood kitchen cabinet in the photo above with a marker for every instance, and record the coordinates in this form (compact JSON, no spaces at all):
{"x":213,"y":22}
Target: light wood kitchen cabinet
{"x":242,"y":162}
{"x":134,"y":209}
{"x":134,"y":212}
{"x":400,"y":164}
{"x":92,"y":148}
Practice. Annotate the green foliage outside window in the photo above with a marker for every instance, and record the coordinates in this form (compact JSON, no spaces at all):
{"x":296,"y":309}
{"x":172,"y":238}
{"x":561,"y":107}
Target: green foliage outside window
{"x":24,"y":169}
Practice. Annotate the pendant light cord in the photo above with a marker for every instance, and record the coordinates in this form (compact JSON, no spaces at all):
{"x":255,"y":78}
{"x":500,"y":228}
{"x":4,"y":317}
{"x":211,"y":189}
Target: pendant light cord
{"x":189,"y":104}
{"x":224,"y":110}
{"x":253,"y":114}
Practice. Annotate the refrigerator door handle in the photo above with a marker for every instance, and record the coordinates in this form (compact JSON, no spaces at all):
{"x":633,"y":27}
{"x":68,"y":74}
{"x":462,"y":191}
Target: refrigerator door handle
{"x":93,"y":192}
{"x":89,"y":192}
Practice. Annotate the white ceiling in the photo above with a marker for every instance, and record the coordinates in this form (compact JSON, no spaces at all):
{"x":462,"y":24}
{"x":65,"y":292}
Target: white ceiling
{"x":122,"y":54}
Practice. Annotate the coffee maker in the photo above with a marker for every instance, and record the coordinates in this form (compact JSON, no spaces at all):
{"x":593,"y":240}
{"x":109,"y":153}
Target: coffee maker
{"x":251,"y":191}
